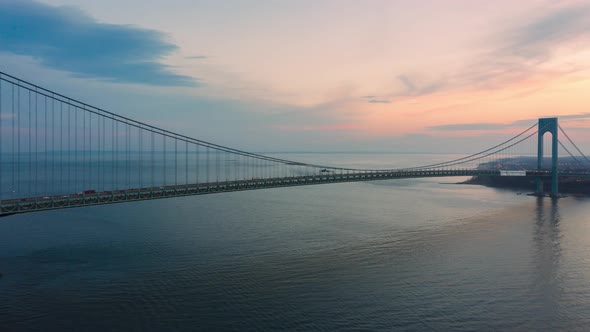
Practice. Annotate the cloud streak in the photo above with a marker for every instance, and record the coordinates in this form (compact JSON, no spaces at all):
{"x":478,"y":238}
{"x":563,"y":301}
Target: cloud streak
{"x":67,"y":39}
{"x":515,"y":54}
{"x":470,"y":126}
{"x":535,"y":40}
{"x":196,"y":57}
{"x":521,"y":50}
{"x":490,"y":126}
{"x":378,"y":101}
{"x":413,"y":89}
{"x":316,"y":128}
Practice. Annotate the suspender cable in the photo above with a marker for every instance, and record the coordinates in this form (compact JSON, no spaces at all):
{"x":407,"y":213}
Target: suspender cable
{"x":13,"y":146}
{"x":70,"y":150}
{"x":236,"y":168}
{"x":1,"y":140}
{"x":140,"y":156}
{"x":164,"y":160}
{"x":217,"y":166}
{"x":153,"y":153}
{"x":128,"y":157}
{"x":85,"y":172}
{"x":99,"y":185}
{"x":18,"y":139}
{"x":197,"y":163}
{"x":53,"y":141}
{"x":36,"y":136}
{"x":186,"y":164}
{"x":45,"y":152}
{"x":103,"y":157}
{"x":30,"y":144}
{"x":61,"y":148}
{"x":77,"y":142}
{"x":104,"y":154}
{"x":115,"y":147}
{"x":226,"y":168}
{"x":175,"y":162}
{"x":207,"y":159}
{"x":89,"y":152}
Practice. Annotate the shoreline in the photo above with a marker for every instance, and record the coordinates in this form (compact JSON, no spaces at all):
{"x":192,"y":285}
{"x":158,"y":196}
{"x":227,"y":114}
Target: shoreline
{"x":571,"y":186}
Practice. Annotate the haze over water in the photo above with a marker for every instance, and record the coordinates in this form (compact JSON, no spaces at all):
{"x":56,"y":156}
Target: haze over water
{"x":418,"y":254}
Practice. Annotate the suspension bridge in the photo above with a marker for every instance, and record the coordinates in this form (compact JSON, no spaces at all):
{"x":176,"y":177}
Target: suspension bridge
{"x":58,"y":152}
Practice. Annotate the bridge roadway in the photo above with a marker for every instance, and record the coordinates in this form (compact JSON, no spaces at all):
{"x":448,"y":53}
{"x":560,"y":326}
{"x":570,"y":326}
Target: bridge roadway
{"x":32,"y":204}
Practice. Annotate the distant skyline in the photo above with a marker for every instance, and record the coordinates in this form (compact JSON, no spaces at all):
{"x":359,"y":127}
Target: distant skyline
{"x":400,"y":76}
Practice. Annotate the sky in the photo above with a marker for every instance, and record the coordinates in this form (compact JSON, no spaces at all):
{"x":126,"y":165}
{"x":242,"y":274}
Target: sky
{"x":262,"y":75}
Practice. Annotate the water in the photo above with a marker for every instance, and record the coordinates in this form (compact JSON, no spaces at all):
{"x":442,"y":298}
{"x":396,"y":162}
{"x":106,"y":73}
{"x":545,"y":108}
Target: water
{"x":418,"y":254}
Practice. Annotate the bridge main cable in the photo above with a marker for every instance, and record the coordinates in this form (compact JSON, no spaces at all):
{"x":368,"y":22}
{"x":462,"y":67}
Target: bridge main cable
{"x":144,"y":126}
{"x":571,"y":155}
{"x":467,"y":159}
{"x":179,"y":137}
{"x":574,"y":144}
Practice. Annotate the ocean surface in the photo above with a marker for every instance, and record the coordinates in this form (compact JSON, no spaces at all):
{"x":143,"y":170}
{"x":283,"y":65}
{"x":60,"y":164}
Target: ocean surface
{"x":396,"y":255}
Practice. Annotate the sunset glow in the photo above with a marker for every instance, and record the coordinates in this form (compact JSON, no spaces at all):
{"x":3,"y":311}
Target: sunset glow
{"x":323,"y":74}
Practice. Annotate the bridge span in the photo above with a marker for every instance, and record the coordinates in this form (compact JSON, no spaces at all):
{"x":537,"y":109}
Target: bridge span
{"x":91,"y":197}
{"x":58,"y":152}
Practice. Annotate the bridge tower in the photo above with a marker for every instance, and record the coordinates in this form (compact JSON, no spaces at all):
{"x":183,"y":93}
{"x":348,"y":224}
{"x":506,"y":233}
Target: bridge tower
{"x":547,"y":125}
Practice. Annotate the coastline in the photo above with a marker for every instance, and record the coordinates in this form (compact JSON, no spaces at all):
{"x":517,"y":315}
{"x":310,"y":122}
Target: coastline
{"x":567,"y":185}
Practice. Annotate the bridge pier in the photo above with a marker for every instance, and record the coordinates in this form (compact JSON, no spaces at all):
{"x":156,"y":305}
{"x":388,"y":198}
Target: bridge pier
{"x":548,"y":125}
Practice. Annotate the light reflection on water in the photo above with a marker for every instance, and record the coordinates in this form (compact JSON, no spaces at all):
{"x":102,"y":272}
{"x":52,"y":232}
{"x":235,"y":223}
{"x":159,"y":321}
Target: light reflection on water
{"x":392,"y":255}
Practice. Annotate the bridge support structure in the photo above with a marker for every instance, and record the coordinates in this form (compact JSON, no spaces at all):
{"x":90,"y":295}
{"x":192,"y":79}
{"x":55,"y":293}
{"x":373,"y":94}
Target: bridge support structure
{"x":548,"y":125}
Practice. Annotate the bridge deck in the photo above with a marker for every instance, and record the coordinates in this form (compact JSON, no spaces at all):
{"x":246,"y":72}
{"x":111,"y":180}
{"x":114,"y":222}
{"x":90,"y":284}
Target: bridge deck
{"x":13,"y":206}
